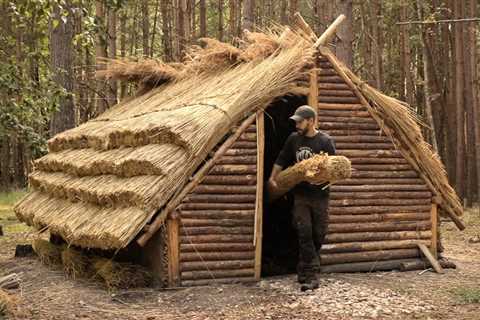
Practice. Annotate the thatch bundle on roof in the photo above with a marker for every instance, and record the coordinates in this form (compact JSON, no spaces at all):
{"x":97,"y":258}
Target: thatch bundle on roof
{"x":118,"y":275}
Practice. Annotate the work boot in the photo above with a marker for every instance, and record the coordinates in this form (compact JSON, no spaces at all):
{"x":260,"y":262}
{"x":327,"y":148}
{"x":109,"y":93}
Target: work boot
{"x":301,"y":273}
{"x":311,"y":283}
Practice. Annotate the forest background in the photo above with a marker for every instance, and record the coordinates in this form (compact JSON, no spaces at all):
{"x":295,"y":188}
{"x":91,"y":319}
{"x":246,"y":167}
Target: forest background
{"x":422,"y":52}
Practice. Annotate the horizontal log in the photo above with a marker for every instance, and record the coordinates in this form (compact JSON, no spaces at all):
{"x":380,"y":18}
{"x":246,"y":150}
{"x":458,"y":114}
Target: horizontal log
{"x":216,"y":265}
{"x":216,"y":223}
{"x":236,"y":169}
{"x":213,"y":247}
{"x":378,"y":217}
{"x":237,"y":238}
{"x":216,"y":206}
{"x":382,"y":167}
{"x":353,"y":132}
{"x":217,"y":256}
{"x":370,"y":153}
{"x":248,"y":179}
{"x":364,"y":266}
{"x":384,"y":174}
{"x":252,"y":128}
{"x":347,"y":120}
{"x":248,"y":136}
{"x":378,"y":202}
{"x":205,"y":282}
{"x":333,"y":86}
{"x":324,"y":65}
{"x":323,"y":125}
{"x":330,"y":99}
{"x":215,"y":274}
{"x":226,"y":189}
{"x":330,"y":79}
{"x":217,"y":214}
{"x":342,"y":113}
{"x":237,"y":160}
{"x":220,"y":198}
{"x":420,"y":264}
{"x":198,"y":230}
{"x":378,"y":226}
{"x":371,"y":245}
{"x":379,"y":209}
{"x":241,"y":152}
{"x":327,"y":72}
{"x":362,"y":139}
{"x":380,"y":161}
{"x":349,"y":257}
{"x":381,"y":181}
{"x":376,"y":236}
{"x":244,"y":145}
{"x":336,"y":93}
{"x":384,"y":187}
{"x":364,"y":146}
{"x":341,"y":106}
{"x":382,"y":195}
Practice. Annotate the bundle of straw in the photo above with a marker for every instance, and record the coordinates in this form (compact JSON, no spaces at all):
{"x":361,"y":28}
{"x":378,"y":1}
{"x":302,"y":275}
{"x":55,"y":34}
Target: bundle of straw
{"x":76,"y":264}
{"x":318,"y":169}
{"x":8,"y":305}
{"x":121,"y":275}
{"x":48,"y":253}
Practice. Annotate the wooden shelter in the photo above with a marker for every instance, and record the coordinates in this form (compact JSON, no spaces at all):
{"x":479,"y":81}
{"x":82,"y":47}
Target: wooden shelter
{"x":178,"y":172}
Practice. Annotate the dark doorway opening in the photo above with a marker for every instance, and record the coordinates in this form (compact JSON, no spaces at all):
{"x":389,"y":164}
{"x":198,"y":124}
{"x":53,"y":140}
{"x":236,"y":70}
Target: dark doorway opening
{"x":279,"y":245}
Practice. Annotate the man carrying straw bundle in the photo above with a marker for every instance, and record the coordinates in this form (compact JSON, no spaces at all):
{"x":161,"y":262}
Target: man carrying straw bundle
{"x":310,"y":214}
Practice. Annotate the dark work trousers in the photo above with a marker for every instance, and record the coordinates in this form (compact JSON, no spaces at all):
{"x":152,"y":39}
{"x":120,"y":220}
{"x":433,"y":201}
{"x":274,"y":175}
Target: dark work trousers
{"x":310,"y":219}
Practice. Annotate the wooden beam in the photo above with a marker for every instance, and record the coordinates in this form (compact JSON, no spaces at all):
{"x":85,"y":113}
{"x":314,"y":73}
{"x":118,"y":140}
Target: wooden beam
{"x":328,"y":34}
{"x":313,"y":91}
{"x":197,"y":178}
{"x":436,"y":266}
{"x":434,"y":219}
{"x":258,"y":236}
{"x":173,"y":252}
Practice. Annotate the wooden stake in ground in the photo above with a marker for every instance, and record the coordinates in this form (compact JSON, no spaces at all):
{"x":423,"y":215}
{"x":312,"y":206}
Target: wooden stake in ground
{"x":318,"y":169}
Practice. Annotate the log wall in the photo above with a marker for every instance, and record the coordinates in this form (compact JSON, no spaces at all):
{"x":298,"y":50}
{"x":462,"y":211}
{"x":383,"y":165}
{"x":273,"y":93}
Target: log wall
{"x":217,"y":219}
{"x":379,"y":215}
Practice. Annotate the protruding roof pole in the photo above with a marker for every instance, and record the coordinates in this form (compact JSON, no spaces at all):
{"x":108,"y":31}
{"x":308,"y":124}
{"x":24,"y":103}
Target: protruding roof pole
{"x":328,"y":34}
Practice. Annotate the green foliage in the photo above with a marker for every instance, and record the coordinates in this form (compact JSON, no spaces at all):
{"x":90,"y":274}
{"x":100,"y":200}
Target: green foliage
{"x":467,"y":295}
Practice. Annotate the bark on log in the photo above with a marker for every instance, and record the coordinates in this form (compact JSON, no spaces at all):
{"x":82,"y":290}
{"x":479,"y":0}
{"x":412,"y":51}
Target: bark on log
{"x":216,"y":238}
{"x":318,"y":169}
{"x":218,"y":214}
{"x":382,"y":167}
{"x":378,"y":217}
{"x":380,"y":226}
{"x":244,"y":145}
{"x":364,"y":146}
{"x":216,"y":247}
{"x":227,"y":169}
{"x":216,"y":256}
{"x":215,"y":274}
{"x":216,"y":265}
{"x":248,"y":136}
{"x":378,"y":209}
{"x":341,"y":106}
{"x":330,"y":99}
{"x":198,"y":230}
{"x":382,"y":195}
{"x":347,"y":119}
{"x":238,"y":160}
{"x":337,"y":93}
{"x":351,"y":132}
{"x":330,"y":79}
{"x":340,"y":125}
{"x":220,"y":198}
{"x":11,"y":281}
{"x":361,"y":139}
{"x":420,"y":264}
{"x":384,"y":174}
{"x":378,"y":202}
{"x":327,"y":72}
{"x":338,"y":258}
{"x":252,"y":128}
{"x":381,"y":181}
{"x":342,"y":113}
{"x":364,"y":266}
{"x":324,"y":65}
{"x":216,"y":206}
{"x":220,"y":189}
{"x":379,"y":161}
{"x":230,"y":180}
{"x":373,"y":188}
{"x":376,"y":236}
{"x":204,"y":282}
{"x":216,"y":223}
{"x":371,"y":245}
{"x":241,"y":152}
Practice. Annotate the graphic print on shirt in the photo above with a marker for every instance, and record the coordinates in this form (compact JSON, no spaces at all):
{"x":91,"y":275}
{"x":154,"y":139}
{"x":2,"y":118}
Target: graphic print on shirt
{"x":303,"y":153}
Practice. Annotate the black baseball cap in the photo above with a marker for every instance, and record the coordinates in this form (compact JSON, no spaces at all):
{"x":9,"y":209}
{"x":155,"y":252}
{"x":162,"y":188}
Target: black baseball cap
{"x":303,"y":112}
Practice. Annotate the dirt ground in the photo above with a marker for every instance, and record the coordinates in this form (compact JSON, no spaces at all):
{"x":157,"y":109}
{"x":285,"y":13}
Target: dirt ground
{"x":46,"y":294}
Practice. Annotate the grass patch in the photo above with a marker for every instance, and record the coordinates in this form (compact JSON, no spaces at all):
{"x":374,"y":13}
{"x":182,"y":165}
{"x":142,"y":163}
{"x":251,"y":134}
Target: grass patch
{"x":7,"y":199}
{"x":467,"y":295}
{"x":7,"y":217}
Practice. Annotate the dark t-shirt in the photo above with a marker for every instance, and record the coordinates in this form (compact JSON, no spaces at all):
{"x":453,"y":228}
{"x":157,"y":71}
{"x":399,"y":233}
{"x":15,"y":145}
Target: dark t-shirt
{"x":298,"y":148}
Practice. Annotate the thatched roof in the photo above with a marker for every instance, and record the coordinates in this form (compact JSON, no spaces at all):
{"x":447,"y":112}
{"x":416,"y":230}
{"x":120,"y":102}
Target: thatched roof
{"x":102,"y":181}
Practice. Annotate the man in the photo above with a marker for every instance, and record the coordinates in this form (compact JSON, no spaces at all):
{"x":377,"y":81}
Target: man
{"x":310,"y":215}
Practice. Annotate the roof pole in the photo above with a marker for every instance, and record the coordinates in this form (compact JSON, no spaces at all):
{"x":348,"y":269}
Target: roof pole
{"x":328,"y":34}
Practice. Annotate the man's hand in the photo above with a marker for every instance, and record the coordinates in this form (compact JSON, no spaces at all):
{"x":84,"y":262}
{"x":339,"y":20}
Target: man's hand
{"x":272,"y":184}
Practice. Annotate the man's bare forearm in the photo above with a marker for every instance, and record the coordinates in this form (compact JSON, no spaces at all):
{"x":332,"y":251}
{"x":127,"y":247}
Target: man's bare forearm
{"x":275,"y":171}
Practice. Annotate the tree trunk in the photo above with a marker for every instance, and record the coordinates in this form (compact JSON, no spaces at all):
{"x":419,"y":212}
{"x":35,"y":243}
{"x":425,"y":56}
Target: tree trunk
{"x":100,"y":52}
{"x":123,"y":48}
{"x":459,"y":99}
{"x":220,"y":20}
{"x":180,"y":26}
{"x":283,"y":12}
{"x":248,"y":14}
{"x":145,"y":28}
{"x":112,"y":53}
{"x":232,"y":18}
{"x":476,"y":96}
{"x":345,"y":33}
{"x":203,"y":19}
{"x":5,"y":168}
{"x":293,"y":8}
{"x":154,"y":29}
{"x":61,"y":38}
{"x":377,"y":42}
{"x":166,"y":31}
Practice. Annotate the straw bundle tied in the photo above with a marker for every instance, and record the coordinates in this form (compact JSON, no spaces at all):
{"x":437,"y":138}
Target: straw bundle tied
{"x":318,"y":170}
{"x":104,"y":180}
{"x":49,"y":253}
{"x":8,"y":305}
{"x":121,"y":275}
{"x":76,"y":264}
